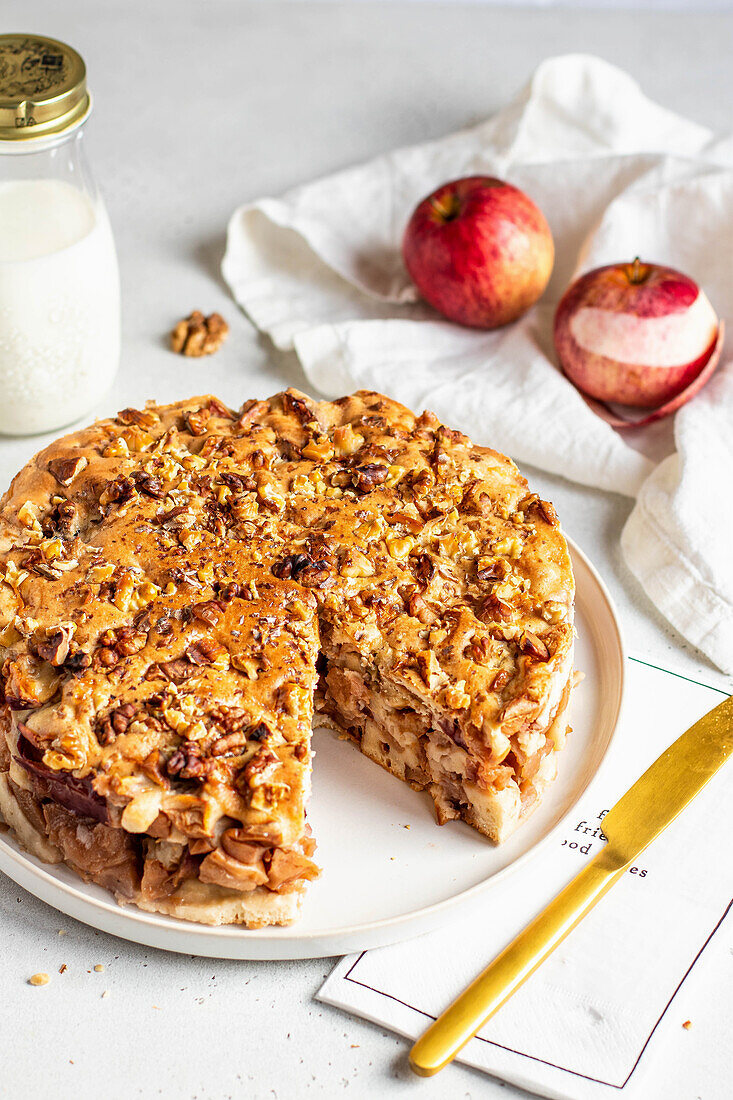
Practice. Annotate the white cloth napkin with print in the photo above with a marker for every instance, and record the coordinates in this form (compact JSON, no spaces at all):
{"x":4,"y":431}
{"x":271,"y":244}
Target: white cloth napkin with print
{"x":320,"y":270}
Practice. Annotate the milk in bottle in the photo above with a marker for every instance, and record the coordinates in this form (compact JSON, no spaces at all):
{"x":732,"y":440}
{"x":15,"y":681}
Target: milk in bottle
{"x":59,"y":283}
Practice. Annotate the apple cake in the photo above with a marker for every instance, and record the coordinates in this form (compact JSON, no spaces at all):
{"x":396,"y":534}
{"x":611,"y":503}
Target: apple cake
{"x":181,"y":587}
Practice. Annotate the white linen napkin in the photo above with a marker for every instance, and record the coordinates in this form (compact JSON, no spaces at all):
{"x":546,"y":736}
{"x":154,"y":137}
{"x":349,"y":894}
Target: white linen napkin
{"x":617,"y":176}
{"x":609,"y":1003}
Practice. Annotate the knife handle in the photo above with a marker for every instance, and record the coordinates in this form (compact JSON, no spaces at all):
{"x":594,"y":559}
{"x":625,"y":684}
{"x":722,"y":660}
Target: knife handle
{"x":495,"y":985}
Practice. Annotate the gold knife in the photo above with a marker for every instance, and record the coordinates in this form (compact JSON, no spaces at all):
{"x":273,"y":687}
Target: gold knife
{"x":642,"y":814}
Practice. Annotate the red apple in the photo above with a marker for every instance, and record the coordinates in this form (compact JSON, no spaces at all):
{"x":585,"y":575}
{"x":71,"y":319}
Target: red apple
{"x":479,"y":251}
{"x":635,"y":333}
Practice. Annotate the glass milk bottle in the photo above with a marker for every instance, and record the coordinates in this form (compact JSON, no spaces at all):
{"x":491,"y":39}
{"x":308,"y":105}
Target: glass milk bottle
{"x":59,"y":283}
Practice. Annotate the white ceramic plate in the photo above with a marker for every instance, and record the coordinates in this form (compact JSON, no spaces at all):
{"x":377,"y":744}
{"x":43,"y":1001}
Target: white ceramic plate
{"x":389,"y":872}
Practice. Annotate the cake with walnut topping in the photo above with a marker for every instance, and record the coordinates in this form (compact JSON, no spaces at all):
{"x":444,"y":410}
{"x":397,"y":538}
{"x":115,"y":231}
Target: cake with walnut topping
{"x":183,"y":585}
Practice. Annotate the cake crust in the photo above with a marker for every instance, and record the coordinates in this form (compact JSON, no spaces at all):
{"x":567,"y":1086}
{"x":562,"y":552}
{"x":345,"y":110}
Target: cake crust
{"x":182,"y":584}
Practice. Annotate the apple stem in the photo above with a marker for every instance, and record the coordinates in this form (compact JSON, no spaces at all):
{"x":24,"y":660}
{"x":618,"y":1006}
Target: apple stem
{"x":447,"y":208}
{"x":638,"y":271}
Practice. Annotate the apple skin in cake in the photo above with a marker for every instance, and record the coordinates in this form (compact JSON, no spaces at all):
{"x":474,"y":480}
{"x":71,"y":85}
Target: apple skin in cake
{"x":183,"y":585}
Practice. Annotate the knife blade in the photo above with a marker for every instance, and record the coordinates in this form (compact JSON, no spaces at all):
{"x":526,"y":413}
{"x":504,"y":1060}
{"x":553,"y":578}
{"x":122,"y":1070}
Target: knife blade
{"x":639,"y":816}
{"x":671,"y":782}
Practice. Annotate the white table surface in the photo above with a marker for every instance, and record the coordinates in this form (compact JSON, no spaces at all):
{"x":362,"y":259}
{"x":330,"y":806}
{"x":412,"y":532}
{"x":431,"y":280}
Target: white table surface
{"x":200,"y":106}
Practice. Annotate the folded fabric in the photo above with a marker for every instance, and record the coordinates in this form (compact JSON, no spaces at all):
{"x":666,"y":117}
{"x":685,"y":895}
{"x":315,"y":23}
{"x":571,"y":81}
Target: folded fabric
{"x":616,"y":175}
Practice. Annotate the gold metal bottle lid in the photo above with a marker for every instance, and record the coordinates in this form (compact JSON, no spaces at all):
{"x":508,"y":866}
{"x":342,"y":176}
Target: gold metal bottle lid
{"x":43,"y":88}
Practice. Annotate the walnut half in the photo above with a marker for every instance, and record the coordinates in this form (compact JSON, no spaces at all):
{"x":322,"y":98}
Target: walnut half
{"x":197,"y":335}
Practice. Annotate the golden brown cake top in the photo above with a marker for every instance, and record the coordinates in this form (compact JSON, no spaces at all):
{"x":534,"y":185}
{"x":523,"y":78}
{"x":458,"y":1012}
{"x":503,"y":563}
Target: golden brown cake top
{"x":161,"y":571}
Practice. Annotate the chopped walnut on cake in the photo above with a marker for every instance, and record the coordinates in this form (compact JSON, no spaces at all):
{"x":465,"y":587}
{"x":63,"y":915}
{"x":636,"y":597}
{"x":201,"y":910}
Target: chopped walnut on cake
{"x":182,"y":587}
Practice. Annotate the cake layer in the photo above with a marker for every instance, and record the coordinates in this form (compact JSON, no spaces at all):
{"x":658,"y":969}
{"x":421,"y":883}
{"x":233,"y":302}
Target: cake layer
{"x":173,"y":581}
